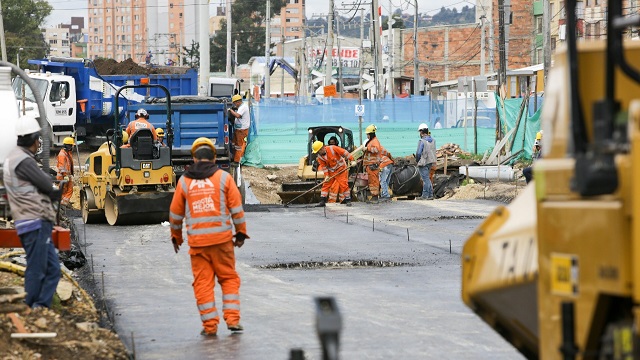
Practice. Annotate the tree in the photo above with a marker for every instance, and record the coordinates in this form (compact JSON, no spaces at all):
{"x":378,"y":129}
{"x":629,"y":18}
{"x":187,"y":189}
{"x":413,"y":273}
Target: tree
{"x":247,"y":19}
{"x":191,"y":55}
{"x":22,"y":22}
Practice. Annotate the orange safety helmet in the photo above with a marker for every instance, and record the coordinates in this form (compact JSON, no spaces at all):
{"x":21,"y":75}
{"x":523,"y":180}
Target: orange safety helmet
{"x":202,"y":141}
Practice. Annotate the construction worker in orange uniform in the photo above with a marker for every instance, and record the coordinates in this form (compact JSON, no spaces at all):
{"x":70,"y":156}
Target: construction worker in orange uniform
{"x":141,"y":122}
{"x":372,"y":159}
{"x":209,"y":202}
{"x":241,"y":125}
{"x":332,"y":160}
{"x":65,"y":170}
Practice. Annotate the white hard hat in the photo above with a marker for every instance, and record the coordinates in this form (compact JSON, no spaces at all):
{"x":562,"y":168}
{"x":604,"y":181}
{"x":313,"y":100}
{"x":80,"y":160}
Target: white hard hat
{"x":27,"y":124}
{"x":142,"y":113}
{"x":423,"y":126}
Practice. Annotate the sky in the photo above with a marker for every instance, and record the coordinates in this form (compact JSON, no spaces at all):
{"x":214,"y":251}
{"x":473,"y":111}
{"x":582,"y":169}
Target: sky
{"x":65,"y":9}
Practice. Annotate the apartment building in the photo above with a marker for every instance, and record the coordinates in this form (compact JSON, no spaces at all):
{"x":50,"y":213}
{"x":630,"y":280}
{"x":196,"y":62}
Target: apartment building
{"x":59,"y":41}
{"x":290,"y":23}
{"x":122,"y":29}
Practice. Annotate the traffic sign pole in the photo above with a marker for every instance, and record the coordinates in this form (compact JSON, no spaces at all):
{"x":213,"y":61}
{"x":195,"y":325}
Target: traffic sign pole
{"x":359,"y":113}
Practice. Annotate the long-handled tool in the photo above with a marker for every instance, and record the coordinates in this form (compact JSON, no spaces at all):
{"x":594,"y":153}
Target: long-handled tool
{"x":315,"y":187}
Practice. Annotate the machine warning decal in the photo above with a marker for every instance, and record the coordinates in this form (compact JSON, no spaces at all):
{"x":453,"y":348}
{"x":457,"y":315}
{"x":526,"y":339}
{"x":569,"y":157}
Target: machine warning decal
{"x":564,"y":274}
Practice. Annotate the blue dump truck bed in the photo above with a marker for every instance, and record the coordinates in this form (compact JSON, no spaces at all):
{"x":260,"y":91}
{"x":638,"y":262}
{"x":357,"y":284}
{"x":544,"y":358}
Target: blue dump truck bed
{"x":190,"y":120}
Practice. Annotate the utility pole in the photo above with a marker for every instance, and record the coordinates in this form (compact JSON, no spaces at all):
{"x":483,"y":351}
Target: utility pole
{"x":3,"y":44}
{"x":482,"y":42}
{"x":303,"y":66}
{"x":235,"y":59}
{"x":267,"y":53}
{"x":339,"y":56}
{"x":281,"y":68}
{"x":390,"y":43}
{"x":228,"y":14}
{"x":546,"y":40}
{"x":416,"y":74}
{"x":502,"y":76}
{"x":329,"y":65}
{"x":205,"y":58}
{"x":375,"y":27}
{"x":361,"y":63}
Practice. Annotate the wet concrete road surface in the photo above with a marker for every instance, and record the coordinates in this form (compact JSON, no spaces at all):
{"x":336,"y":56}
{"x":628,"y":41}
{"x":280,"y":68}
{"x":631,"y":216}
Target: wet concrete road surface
{"x":408,"y":309}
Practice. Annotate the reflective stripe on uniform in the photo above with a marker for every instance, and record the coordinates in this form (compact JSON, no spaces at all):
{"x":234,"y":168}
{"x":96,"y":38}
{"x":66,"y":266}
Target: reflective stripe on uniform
{"x":176,"y":216}
{"x":209,"y":230}
{"x":206,"y":306}
{"x":230,"y":306}
{"x":206,"y":219}
{"x":236,"y":210}
{"x":230,"y":297}
{"x":238,"y":220}
{"x":209,"y":316}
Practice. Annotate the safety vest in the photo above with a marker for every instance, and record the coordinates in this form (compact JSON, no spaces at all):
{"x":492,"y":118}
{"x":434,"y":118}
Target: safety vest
{"x":208,"y":207}
{"x":25,"y":200}
{"x":334,"y":160}
{"x":141,"y":124}
{"x":65,"y":163}
{"x":376,"y":154}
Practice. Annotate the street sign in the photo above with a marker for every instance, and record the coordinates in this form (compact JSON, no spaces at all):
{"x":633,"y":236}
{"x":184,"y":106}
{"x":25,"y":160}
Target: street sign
{"x":359,"y":110}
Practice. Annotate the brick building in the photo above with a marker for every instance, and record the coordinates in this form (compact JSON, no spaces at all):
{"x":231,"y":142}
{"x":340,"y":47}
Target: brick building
{"x":448,"y":52}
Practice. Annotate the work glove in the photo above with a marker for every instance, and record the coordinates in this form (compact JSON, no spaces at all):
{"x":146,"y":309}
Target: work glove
{"x":176,"y":244}
{"x":314,"y":165}
{"x":56,"y":194}
{"x":239,"y":239}
{"x":353,"y":163}
{"x":373,"y":167}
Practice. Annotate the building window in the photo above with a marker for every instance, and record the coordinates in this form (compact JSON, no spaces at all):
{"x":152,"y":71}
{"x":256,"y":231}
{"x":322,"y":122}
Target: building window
{"x":292,"y":11}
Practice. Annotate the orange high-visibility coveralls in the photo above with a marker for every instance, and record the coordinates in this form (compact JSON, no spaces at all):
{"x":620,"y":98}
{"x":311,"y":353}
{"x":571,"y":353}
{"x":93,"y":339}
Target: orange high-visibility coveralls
{"x":208,"y":207}
{"x":373,"y":156}
{"x":141,"y":123}
{"x":334,"y":161}
{"x":65,"y":168}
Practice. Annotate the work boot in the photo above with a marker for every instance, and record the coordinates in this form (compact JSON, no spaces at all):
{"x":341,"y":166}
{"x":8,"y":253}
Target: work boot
{"x":347,"y":201}
{"x":322,"y":203}
{"x":385,"y":199}
{"x":235,"y":327}
{"x":205,"y":333}
{"x":374,"y":199}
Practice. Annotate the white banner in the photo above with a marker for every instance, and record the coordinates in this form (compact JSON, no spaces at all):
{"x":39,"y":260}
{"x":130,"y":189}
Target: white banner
{"x":349,"y":56}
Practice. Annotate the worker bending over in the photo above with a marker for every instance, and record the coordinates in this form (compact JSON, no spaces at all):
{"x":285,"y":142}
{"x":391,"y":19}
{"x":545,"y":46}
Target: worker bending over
{"x":332,"y":160}
{"x":209,"y":202}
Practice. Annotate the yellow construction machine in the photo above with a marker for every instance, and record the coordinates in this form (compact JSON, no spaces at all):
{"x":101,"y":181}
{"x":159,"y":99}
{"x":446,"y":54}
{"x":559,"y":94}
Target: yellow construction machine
{"x":131,"y":184}
{"x":555,"y":271}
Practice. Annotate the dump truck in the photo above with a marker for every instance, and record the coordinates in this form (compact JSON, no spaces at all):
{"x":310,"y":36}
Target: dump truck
{"x":557,"y":272}
{"x":60,"y":236}
{"x":78,"y":100}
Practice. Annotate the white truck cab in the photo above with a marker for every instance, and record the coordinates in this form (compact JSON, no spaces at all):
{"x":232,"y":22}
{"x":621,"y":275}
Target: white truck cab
{"x":59,"y":95}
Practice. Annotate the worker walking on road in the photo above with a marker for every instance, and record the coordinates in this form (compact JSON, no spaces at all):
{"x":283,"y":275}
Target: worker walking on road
{"x":426,"y":158}
{"x":208,"y":201}
{"x":241,"y":124}
{"x":332,"y":160}
{"x":65,"y":170}
{"x":31,"y":196}
{"x":141,"y":122}
{"x":372,"y":161}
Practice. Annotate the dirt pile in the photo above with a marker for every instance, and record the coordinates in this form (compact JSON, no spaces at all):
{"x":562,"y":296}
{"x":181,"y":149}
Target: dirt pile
{"x":130,"y":67}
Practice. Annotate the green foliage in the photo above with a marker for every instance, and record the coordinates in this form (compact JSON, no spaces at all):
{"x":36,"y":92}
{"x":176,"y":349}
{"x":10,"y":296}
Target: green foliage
{"x":452,"y":16}
{"x":22,"y":22}
{"x":398,"y":22}
{"x":247,"y":17}
{"x":191,"y":55}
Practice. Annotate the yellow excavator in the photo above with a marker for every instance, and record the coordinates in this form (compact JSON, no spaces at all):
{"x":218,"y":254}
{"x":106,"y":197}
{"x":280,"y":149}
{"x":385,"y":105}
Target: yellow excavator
{"x":132,"y":184}
{"x":555,"y":271}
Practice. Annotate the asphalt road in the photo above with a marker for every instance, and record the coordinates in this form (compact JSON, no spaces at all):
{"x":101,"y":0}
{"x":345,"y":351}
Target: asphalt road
{"x":408,"y":309}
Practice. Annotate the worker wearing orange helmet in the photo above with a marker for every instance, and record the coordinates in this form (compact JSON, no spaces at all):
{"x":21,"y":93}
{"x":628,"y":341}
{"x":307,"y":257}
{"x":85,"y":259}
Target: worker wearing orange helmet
{"x":65,"y":170}
{"x":332,"y":160}
{"x":209,"y":202}
{"x":141,"y":122}
{"x":241,"y":124}
{"x":373,"y":161}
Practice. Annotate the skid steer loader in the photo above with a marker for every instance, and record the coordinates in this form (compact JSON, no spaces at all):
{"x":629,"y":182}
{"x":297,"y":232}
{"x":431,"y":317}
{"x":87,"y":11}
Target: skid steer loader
{"x":131,"y":184}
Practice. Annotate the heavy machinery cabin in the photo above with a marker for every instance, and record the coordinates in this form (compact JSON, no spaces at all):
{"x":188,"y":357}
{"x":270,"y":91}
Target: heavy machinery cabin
{"x":557,"y":272}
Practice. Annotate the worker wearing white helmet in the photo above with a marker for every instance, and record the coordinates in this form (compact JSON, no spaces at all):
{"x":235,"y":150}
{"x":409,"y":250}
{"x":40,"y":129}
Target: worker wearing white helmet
{"x":141,"y":122}
{"x":426,"y":158}
{"x":31,"y":194}
{"x":241,"y":117}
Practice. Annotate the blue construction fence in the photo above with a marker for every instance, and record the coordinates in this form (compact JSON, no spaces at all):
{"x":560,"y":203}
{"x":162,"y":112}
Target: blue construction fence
{"x":279,"y":129}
